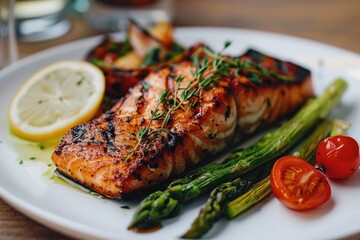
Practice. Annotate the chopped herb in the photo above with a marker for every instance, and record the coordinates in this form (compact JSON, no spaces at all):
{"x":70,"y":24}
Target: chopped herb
{"x":111,"y":149}
{"x":49,"y":165}
{"x":113,"y":47}
{"x":145,"y":86}
{"x":33,"y":158}
{"x":125,"y":48}
{"x":78,"y":83}
{"x":175,"y":50}
{"x":41,"y":146}
{"x":202,"y":80}
{"x":254,"y":78}
{"x":167,"y":118}
{"x":152,"y":57}
{"x":210,"y":68}
{"x":100,"y":63}
{"x":193,"y":104}
{"x":21,"y":162}
{"x":227,"y":44}
{"x":125,"y":207}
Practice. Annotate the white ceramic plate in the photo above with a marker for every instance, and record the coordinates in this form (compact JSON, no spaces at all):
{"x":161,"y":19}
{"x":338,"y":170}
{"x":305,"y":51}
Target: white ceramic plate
{"x":83,"y":216}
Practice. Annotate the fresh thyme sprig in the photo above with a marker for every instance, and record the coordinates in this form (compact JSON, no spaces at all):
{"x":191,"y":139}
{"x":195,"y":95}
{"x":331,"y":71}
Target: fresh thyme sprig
{"x":210,"y":67}
{"x":171,"y":101}
{"x":145,"y":133}
{"x":251,"y":68}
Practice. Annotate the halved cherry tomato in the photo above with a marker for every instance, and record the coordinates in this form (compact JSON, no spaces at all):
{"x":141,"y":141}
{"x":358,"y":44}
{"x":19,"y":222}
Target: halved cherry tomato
{"x":298,"y":184}
{"x":338,"y":156}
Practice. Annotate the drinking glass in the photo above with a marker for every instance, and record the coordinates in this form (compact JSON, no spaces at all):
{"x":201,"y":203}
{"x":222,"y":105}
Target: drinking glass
{"x":113,"y":15}
{"x":40,"y":20}
{"x":8,"y":47}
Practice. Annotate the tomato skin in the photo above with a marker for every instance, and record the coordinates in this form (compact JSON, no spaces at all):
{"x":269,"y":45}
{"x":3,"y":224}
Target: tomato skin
{"x":339,"y":156}
{"x":298,"y":184}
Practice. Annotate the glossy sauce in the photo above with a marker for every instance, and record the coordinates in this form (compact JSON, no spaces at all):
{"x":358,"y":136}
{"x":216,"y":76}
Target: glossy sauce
{"x":33,"y":153}
{"x":147,"y":230}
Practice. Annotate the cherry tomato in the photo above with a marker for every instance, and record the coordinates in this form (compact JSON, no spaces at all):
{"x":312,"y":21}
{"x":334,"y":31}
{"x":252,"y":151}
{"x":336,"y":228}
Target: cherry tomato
{"x":338,"y":156}
{"x":298,"y":184}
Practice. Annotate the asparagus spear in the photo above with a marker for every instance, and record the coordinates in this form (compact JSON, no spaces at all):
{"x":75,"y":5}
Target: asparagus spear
{"x":306,"y":151}
{"x":220,"y":196}
{"x":226,"y":192}
{"x":161,"y":204}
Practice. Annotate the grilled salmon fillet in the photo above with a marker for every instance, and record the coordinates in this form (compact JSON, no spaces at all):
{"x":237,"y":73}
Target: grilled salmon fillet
{"x":105,"y":155}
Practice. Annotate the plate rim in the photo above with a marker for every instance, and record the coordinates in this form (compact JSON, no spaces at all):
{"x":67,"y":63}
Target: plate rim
{"x":69,"y":227}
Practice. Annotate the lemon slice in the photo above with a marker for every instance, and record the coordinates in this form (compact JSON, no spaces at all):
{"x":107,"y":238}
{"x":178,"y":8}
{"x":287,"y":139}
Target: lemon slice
{"x":55,"y":99}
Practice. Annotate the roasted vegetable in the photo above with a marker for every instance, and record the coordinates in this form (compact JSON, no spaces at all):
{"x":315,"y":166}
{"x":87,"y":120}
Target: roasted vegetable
{"x":162,"y":204}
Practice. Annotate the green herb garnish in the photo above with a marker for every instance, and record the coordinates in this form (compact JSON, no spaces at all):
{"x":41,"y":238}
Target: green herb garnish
{"x":151,"y":58}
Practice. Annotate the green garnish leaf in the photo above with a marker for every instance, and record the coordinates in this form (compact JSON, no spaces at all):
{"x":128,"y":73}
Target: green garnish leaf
{"x":152,"y":57}
{"x":41,"y":146}
{"x":145,"y":86}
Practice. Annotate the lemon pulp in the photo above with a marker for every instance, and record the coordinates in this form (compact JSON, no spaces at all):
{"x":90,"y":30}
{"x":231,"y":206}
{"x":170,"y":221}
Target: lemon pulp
{"x":55,"y":99}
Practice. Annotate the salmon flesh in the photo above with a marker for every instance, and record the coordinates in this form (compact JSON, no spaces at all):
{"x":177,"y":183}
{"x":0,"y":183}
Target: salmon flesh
{"x":105,"y":154}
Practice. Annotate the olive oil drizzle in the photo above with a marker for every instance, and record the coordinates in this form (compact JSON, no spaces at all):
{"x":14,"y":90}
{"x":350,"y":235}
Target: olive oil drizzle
{"x":32,"y":153}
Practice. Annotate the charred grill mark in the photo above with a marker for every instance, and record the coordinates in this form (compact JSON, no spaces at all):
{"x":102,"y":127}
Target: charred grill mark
{"x":227,"y":113}
{"x":172,"y":140}
{"x":109,"y":135}
{"x":128,"y":119}
{"x":229,"y":90}
{"x":267,"y":81}
{"x":140,"y":103}
{"x":60,"y":147}
{"x":115,"y":133}
{"x":216,"y":102}
{"x":211,"y":135}
{"x":78,"y":133}
{"x":153,"y":165}
{"x":110,"y":132}
{"x":256,"y":56}
{"x":109,"y":116}
{"x":136,"y":175}
{"x":281,"y":67}
{"x":268,"y":102}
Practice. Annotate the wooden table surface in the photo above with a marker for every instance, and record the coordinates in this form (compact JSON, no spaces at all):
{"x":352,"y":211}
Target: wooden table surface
{"x":330,"y":21}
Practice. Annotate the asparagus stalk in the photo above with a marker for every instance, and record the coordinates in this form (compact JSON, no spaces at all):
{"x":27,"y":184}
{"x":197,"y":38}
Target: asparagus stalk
{"x":306,"y":151}
{"x":222,"y":195}
{"x":214,"y":206}
{"x":271,"y":146}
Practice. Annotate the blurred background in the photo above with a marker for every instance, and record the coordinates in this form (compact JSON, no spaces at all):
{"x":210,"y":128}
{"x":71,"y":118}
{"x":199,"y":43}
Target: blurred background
{"x":329,"y":21}
{"x":41,"y":24}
